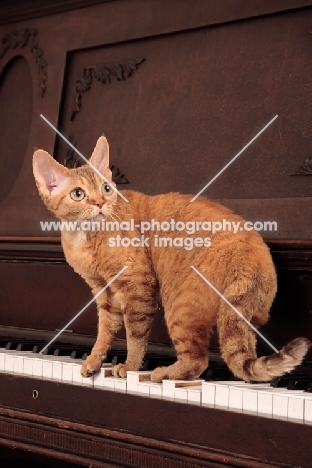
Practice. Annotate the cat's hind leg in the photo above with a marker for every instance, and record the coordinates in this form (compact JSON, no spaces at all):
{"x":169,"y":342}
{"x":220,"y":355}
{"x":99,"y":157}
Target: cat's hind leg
{"x":138,"y":317}
{"x":189,"y":331}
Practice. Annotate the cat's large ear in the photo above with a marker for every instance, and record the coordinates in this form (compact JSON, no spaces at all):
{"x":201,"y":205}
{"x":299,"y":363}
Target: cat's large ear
{"x":49,"y":174}
{"x":100,"y":156}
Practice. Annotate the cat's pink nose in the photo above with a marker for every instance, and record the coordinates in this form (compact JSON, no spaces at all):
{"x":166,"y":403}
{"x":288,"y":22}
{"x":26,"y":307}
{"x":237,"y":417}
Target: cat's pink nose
{"x":99,"y":203}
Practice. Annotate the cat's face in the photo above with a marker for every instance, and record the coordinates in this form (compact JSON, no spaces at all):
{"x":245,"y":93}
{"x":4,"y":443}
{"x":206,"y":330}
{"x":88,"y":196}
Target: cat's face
{"x":77,"y":194}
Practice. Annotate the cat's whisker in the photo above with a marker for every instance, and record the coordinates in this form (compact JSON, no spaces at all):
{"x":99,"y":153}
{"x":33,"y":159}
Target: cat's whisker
{"x":114,"y":210}
{"x":112,"y":217}
{"x":115,"y":214}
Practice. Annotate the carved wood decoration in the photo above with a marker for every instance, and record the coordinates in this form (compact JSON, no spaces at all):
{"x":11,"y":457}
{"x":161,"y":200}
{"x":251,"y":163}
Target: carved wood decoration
{"x":118,"y":177}
{"x":28,"y":38}
{"x":104,"y":73}
{"x":304,"y":169}
{"x":72,"y":160}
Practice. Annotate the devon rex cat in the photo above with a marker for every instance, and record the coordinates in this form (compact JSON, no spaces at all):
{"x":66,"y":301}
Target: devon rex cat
{"x":238,"y":265}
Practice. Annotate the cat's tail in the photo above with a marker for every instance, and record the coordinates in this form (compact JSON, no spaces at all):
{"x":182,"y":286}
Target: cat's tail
{"x":238,"y":349}
{"x":265,"y":368}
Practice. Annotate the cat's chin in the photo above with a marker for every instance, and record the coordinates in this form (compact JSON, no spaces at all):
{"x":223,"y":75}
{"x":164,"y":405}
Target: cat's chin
{"x":99,"y":217}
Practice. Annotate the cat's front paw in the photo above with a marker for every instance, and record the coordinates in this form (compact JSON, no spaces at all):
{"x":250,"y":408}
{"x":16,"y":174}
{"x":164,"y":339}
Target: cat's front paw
{"x":120,"y":370}
{"x":91,"y":365}
{"x":159,"y":374}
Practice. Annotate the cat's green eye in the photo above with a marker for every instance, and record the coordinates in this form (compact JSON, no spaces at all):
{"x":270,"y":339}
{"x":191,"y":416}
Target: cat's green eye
{"x":77,"y":194}
{"x":106,"y":188}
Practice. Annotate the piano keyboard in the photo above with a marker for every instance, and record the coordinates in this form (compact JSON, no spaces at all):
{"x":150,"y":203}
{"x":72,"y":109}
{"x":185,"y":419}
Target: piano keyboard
{"x":238,"y":396}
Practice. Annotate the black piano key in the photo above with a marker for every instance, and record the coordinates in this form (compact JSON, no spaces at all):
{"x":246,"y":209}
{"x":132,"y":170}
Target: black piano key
{"x":4,"y":342}
{"x":279,"y":382}
{"x":63,"y":349}
{"x":151,"y":361}
{"x":25,"y":346}
{"x":21,"y":344}
{"x":117,"y":359}
{"x":302,"y":372}
{"x":37,"y":348}
{"x":308,"y":387}
{"x":298,"y":383}
{"x":11,"y":345}
{"x":217,"y":374}
{"x":79,"y":353}
{"x":217,"y":371}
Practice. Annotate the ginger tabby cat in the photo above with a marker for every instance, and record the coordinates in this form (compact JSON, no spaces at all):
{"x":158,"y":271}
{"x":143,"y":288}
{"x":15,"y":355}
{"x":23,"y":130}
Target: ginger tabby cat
{"x":239,"y":265}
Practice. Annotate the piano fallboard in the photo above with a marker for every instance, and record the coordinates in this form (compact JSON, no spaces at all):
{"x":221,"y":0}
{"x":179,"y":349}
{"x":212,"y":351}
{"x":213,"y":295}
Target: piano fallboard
{"x":94,"y":427}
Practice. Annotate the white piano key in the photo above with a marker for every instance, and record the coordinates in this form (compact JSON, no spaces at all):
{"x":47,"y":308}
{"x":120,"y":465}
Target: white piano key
{"x":280,"y":405}
{"x":208,"y":393}
{"x":156,"y":390}
{"x":46,"y":369}
{"x":236,"y":389}
{"x":2,"y":360}
{"x":236,"y":398}
{"x":57,"y":368}
{"x":265,"y":399}
{"x":121,"y":384}
{"x":265,"y":403}
{"x":28,"y":366}
{"x":9,"y":363}
{"x":18,"y":365}
{"x":180,"y":394}
{"x":289,"y":404}
{"x":169,"y":386}
{"x":88,"y":381}
{"x":194,"y":395}
{"x":296,"y":407}
{"x":149,"y":388}
{"x":222,"y":396}
{"x":98,"y":378}
{"x":77,"y":377}
{"x":247,"y":401}
{"x":67,"y":372}
{"x":109,"y":382}
{"x":37,"y":366}
{"x":71,"y":372}
{"x":112,"y":382}
{"x":308,"y":409}
{"x":143,"y":388}
{"x":250,"y":396}
{"x":133,"y":378}
{"x":250,"y":400}
{"x":229,"y":394}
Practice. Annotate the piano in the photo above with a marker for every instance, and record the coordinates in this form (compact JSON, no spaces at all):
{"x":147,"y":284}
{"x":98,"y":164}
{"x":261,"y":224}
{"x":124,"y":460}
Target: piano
{"x":179,"y":88}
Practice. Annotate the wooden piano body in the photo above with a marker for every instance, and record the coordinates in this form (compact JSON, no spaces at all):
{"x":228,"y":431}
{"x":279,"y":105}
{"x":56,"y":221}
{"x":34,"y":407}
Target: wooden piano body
{"x":178,"y":88}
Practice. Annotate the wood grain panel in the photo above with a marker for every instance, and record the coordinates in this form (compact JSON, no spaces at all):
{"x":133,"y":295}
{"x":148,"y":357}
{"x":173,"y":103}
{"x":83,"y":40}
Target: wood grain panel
{"x":15,"y":119}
